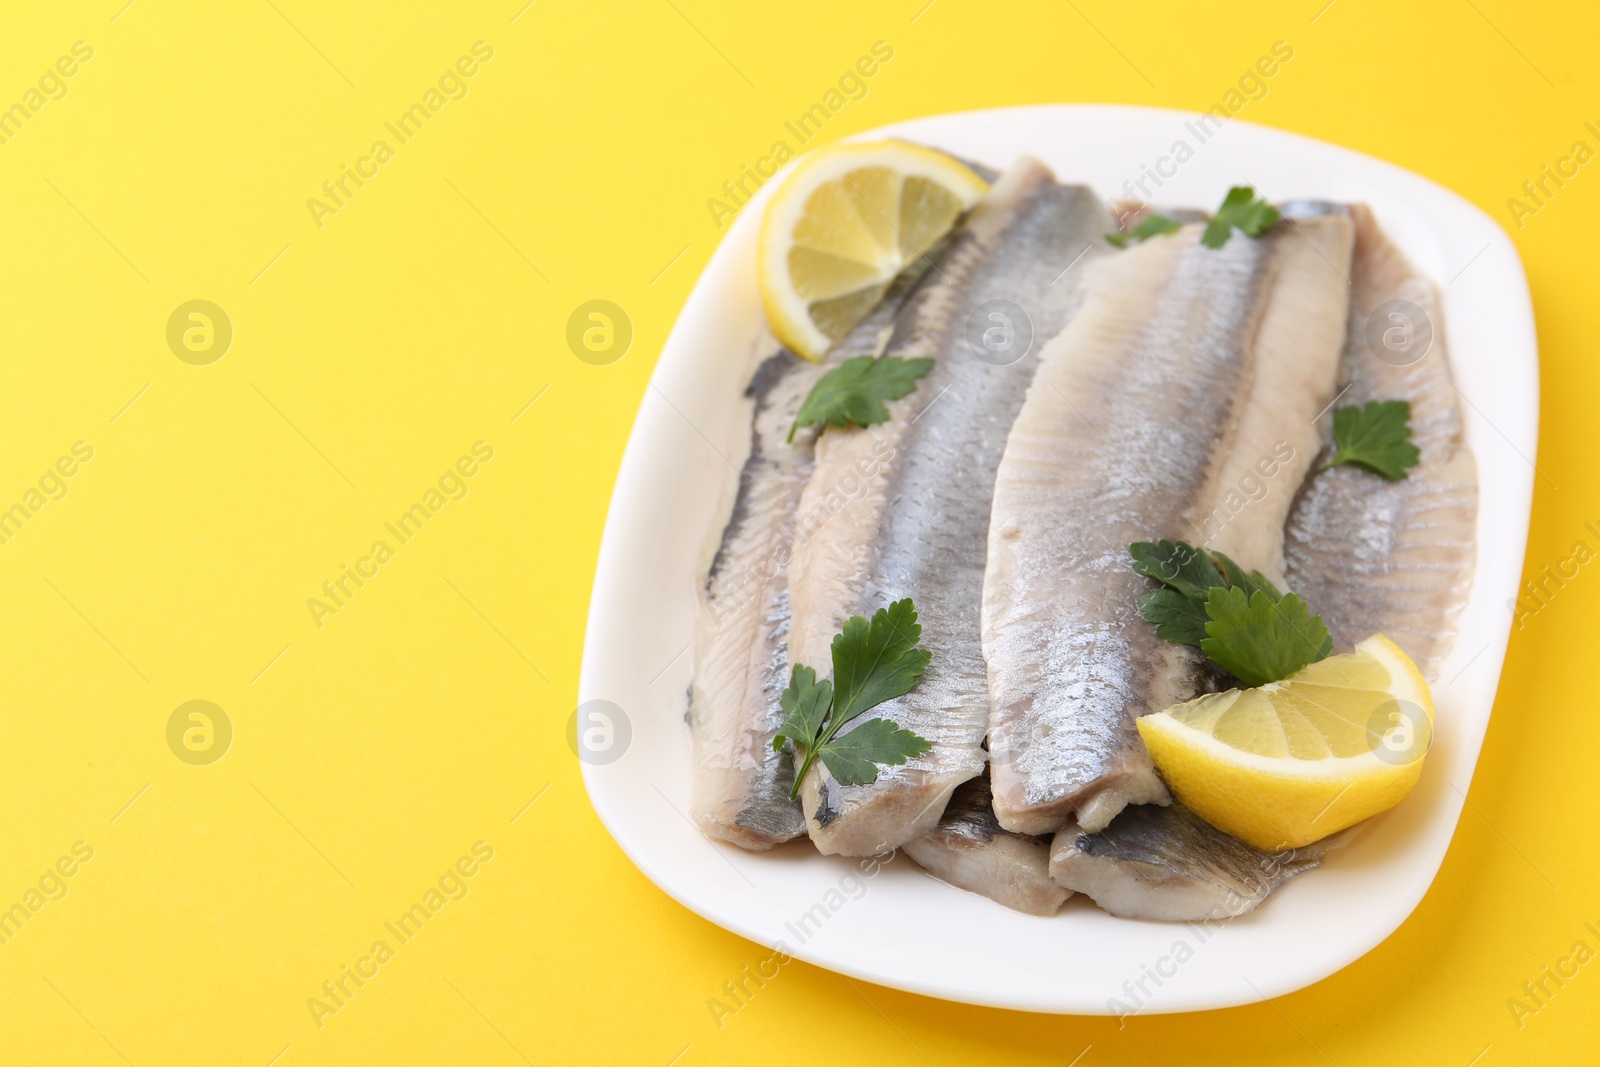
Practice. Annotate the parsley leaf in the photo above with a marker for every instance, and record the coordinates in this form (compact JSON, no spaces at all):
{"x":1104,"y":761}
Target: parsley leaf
{"x":872,"y":662}
{"x":1186,"y":569}
{"x":852,"y":394}
{"x":1177,"y":618}
{"x":877,"y":661}
{"x":852,"y":759}
{"x":806,"y":702}
{"x":1248,"y":582}
{"x":1376,"y":436}
{"x":1242,"y":623}
{"x":1152,"y":225}
{"x":1258,"y":639}
{"x":1241,"y":208}
{"x":1179,"y":610}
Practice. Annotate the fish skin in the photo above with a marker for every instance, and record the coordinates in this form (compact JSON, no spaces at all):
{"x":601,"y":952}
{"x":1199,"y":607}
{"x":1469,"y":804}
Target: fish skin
{"x":920,"y":530}
{"x":970,"y":850}
{"x":1187,"y":369}
{"x":1167,"y":863}
{"x":740,"y":790}
{"x":1373,"y":556}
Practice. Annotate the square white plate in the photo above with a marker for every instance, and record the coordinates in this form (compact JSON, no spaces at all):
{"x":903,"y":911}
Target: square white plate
{"x":901,"y":928}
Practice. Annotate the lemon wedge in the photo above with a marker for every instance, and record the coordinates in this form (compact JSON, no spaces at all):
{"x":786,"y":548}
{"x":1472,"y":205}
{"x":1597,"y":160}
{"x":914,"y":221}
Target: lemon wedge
{"x":844,"y":224}
{"x":1293,"y":761}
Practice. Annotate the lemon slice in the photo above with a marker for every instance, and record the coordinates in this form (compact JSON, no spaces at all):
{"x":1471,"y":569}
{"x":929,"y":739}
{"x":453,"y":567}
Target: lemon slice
{"x":842,"y":226}
{"x":1290,"y":762}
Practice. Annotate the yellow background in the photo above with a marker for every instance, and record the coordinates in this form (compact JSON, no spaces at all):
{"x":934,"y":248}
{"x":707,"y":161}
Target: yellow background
{"x":372,"y":752}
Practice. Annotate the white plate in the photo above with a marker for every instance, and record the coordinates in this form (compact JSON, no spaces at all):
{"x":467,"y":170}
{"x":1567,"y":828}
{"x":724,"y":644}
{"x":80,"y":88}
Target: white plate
{"x":901,"y":928}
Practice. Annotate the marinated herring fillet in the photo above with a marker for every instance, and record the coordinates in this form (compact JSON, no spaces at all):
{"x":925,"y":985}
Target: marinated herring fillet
{"x":1190,"y":376}
{"x":1370,"y":556}
{"x":920,"y":530}
{"x":971,"y":851}
{"x":1168,"y":863}
{"x":740,"y":791}
{"x":1374,"y":556}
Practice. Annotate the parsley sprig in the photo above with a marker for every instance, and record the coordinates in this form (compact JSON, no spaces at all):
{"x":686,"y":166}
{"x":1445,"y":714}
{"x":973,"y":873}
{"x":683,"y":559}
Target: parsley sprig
{"x":1241,"y":209}
{"x":1152,"y":225}
{"x":1377,"y":436}
{"x":853,"y":393}
{"x":872,"y":662}
{"x":1242,"y":623}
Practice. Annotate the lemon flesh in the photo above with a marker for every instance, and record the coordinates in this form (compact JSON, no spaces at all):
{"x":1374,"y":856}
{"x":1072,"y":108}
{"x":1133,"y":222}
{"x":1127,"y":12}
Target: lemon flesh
{"x":1293,"y":761}
{"x":844,"y":225}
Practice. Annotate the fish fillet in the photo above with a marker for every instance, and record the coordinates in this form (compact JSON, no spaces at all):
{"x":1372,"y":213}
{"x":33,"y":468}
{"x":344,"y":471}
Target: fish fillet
{"x":1190,"y":377}
{"x":1373,"y":556}
{"x":1168,"y":863}
{"x":1369,"y":556}
{"x":971,"y":851}
{"x":740,"y":790}
{"x":920,"y":530}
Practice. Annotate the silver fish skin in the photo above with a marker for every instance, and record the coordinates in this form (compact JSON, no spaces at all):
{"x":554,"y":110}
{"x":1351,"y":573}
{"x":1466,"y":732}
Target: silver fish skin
{"x":1373,"y":556}
{"x":920,"y":532}
{"x":1189,"y":374}
{"x":740,"y":787}
{"x":1167,"y":863}
{"x":740,"y":790}
{"x":971,"y":851}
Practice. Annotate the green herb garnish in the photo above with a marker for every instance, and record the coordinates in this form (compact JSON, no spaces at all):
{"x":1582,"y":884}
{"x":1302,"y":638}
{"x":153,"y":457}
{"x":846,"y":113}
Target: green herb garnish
{"x":1240,"y":621}
{"x":852,"y":394}
{"x":1258,"y":638}
{"x":1152,"y":225}
{"x":872,"y":662}
{"x":1377,"y":436}
{"x":1243,"y":209}
{"x":1178,"y":609}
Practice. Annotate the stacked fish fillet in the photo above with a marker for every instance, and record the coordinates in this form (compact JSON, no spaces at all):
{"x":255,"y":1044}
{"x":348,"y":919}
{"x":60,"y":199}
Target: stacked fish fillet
{"x":1002,"y":496}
